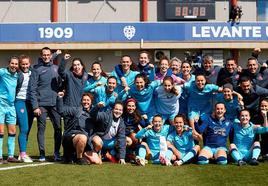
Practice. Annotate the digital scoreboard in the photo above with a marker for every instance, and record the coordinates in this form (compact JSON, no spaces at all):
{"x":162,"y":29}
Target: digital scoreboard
{"x":190,"y":9}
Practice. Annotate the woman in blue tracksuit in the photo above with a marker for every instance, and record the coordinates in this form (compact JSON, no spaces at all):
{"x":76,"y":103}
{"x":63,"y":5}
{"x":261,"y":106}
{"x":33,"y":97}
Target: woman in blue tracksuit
{"x":99,"y":78}
{"x":155,"y":136}
{"x":8,"y":83}
{"x":143,"y":92}
{"x":23,"y":106}
{"x":186,"y":74}
{"x":167,"y":96}
{"x":244,"y":147}
{"x":181,"y":142}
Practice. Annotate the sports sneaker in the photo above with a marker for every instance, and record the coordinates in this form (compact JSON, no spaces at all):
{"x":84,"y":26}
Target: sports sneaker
{"x":57,"y":157}
{"x":110,"y":157}
{"x":140,"y":161}
{"x":12,"y":160}
{"x":42,"y":158}
{"x":178,"y":163}
{"x":26,"y":159}
{"x":81,"y":161}
{"x":241,"y":163}
{"x":164,"y":161}
{"x":254,"y":162}
{"x":2,"y":161}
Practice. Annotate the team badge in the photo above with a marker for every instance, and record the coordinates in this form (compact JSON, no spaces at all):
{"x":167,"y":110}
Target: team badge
{"x":129,"y":32}
{"x":22,"y":110}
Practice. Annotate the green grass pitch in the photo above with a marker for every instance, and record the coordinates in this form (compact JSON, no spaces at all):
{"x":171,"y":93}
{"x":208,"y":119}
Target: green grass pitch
{"x":115,"y":174}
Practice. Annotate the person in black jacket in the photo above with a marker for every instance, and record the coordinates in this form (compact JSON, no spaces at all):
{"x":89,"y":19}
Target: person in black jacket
{"x":78,"y":131}
{"x":45,"y":84}
{"x":228,"y":74}
{"x":74,"y":78}
{"x":257,"y":73}
{"x":259,"y":119}
{"x":252,"y":94}
{"x":109,"y":133}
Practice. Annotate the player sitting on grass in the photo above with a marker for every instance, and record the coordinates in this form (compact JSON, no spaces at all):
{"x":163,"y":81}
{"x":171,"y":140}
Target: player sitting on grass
{"x":109,"y":133}
{"x":181,"y":142}
{"x":216,"y":131}
{"x":244,"y":149}
{"x":155,"y":136}
{"x":76,"y":136}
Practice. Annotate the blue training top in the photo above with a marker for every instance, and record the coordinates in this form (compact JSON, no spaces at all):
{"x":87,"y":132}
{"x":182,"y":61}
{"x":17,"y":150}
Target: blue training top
{"x":200,"y":101}
{"x":217,"y":131}
{"x":8,"y":83}
{"x":232,"y":106}
{"x":244,"y":136}
{"x":184,"y":142}
{"x":145,"y":101}
{"x":152,"y":137}
{"x":92,"y":83}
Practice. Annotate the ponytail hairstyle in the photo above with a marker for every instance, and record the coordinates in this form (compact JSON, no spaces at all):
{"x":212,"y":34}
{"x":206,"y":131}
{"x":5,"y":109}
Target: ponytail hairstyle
{"x":104,"y":74}
{"x":133,"y":66}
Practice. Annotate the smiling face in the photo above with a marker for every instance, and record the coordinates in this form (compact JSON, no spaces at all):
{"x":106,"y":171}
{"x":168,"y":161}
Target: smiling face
{"x":219,"y":110}
{"x":144,"y":59}
{"x":175,"y":66}
{"x":111,"y":85}
{"x":252,"y":66}
{"x":200,"y":81}
{"x":96,"y":70}
{"x":77,"y":67}
{"x":13,"y":65}
{"x":118,"y":110}
{"x":164,"y":66}
{"x":228,"y":94}
{"x":131,"y":107}
{"x":246,"y":86}
{"x":207,"y":64}
{"x":168,"y":85}
{"x":231,"y":66}
{"x":179,"y":123}
{"x":244,"y":117}
{"x":157,"y":123}
{"x":126,"y":63}
{"x":264,"y":105}
{"x":46,"y":55}
{"x":140,"y":83}
{"x":86,"y":102}
{"x":186,"y":69}
{"x":25,"y":64}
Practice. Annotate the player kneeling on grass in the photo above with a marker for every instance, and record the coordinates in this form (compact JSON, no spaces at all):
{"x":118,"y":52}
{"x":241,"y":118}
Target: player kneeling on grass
{"x":155,"y":136}
{"x":244,"y":149}
{"x":216,"y":129}
{"x":181,"y":142}
{"x":109,"y":133}
{"x":78,"y":129}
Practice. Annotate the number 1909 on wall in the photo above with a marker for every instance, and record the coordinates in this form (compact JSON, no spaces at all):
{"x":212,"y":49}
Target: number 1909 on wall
{"x":58,"y":32}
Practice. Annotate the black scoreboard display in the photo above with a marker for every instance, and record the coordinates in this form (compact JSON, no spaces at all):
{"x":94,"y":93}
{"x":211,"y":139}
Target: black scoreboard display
{"x":190,"y":9}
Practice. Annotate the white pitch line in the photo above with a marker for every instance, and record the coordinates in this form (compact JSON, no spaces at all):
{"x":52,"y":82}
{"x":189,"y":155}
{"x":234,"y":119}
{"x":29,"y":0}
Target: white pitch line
{"x":23,"y":166}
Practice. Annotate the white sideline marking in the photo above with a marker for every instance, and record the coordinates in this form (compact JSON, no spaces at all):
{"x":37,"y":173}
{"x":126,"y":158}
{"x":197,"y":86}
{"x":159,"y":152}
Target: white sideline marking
{"x":23,"y":166}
